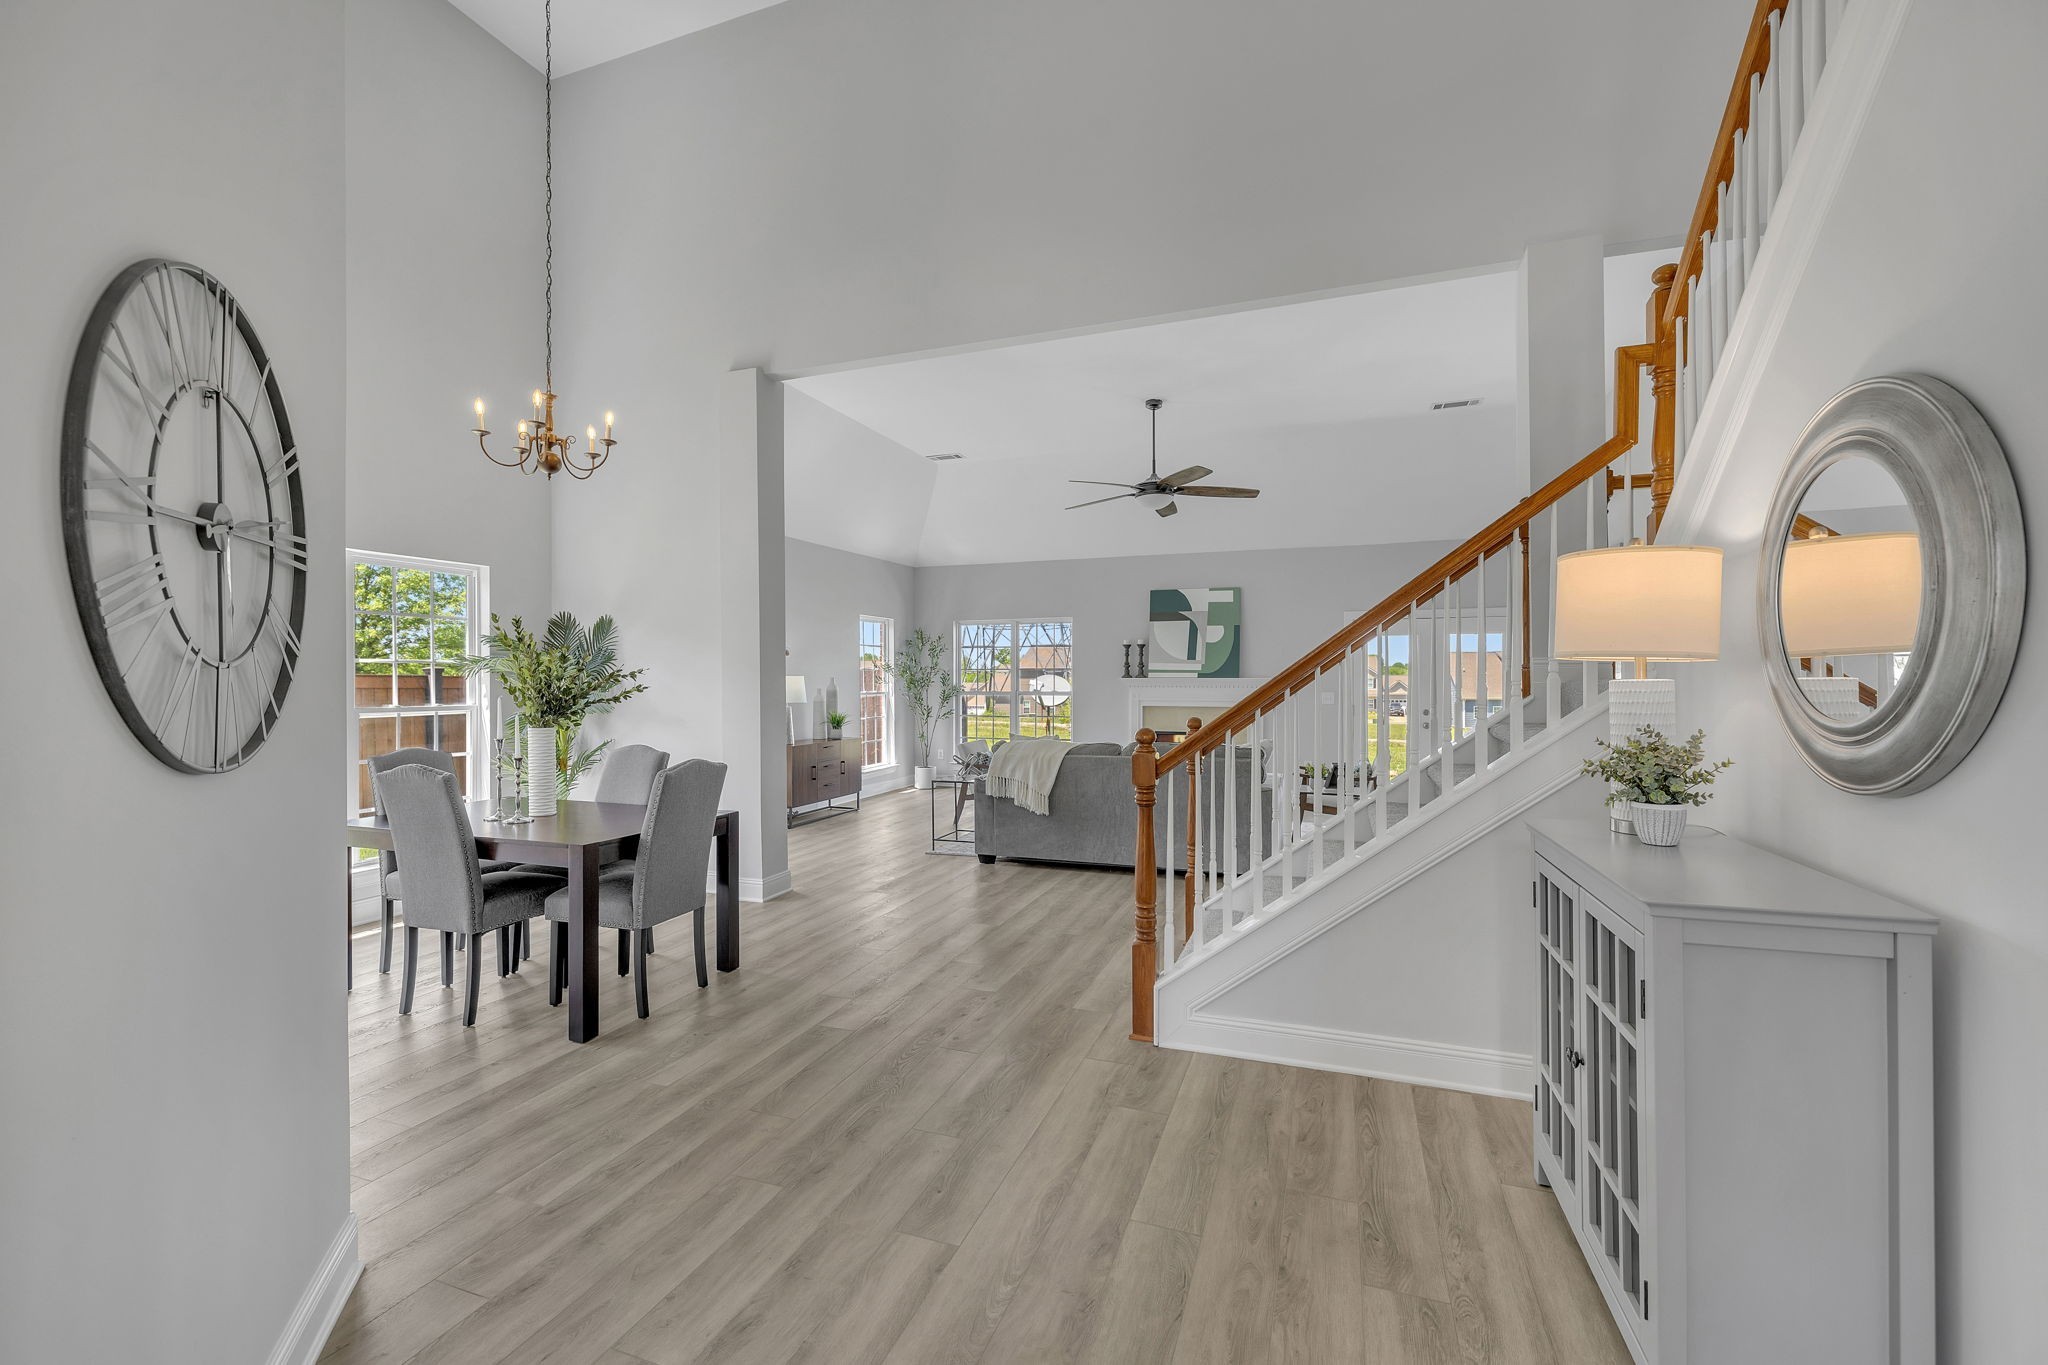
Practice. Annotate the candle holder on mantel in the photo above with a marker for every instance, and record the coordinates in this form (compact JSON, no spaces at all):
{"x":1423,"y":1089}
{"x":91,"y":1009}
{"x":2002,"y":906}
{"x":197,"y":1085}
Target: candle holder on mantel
{"x":1144,"y":668}
{"x":1127,"y":658}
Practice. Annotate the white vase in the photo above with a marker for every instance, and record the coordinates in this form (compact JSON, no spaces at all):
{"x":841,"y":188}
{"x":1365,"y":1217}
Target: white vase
{"x":921,"y":778}
{"x":1658,"y":826}
{"x":541,"y":781}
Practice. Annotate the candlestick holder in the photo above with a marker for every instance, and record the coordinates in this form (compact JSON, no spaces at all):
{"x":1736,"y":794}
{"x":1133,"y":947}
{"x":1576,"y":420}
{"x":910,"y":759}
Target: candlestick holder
{"x":1144,"y":666}
{"x":1127,"y":658}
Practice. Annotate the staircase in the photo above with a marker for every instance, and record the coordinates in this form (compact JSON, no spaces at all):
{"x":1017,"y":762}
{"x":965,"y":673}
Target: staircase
{"x":1356,"y":801}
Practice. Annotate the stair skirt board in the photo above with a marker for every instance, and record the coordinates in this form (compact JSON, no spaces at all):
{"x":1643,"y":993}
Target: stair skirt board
{"x":1447,"y":1066}
{"x":334,"y":1279}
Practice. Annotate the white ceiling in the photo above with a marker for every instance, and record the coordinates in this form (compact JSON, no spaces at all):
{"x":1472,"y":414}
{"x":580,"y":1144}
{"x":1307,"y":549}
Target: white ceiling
{"x":1325,"y":406}
{"x":591,"y":31}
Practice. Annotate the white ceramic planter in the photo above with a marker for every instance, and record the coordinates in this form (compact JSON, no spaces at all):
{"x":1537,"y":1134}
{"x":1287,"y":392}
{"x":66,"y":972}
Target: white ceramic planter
{"x":1658,"y":826}
{"x":921,"y":778}
{"x":541,"y":780}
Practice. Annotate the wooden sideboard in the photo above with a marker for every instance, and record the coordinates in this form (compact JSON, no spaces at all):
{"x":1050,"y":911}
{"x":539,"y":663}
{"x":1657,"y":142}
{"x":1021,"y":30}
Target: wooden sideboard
{"x":1735,"y":1096}
{"x":823,"y":772}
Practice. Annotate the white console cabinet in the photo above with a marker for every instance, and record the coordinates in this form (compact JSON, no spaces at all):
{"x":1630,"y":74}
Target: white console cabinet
{"x":1734,"y":1098}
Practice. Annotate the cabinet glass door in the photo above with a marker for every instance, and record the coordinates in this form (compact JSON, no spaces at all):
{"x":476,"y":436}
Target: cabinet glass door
{"x":1610,"y":1023}
{"x":1558,"y":1057}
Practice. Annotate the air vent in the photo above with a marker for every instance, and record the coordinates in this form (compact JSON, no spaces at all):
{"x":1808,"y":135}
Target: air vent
{"x":954,"y":454}
{"x":1454,"y":403}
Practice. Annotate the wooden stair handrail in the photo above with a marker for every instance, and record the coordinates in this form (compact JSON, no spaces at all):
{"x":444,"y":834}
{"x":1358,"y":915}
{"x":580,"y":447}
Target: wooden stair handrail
{"x":1629,"y":363}
{"x":1706,"y":214}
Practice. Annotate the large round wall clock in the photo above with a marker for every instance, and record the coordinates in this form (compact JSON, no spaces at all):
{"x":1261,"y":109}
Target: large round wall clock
{"x":184,"y":519}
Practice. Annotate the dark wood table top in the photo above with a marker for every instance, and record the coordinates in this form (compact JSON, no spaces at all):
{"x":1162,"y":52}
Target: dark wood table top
{"x":575,"y":824}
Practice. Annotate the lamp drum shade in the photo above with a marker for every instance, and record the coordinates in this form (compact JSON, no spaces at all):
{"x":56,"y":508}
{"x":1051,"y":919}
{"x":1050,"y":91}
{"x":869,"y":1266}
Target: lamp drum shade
{"x":1844,"y":595}
{"x":794,"y":691}
{"x":1655,"y":602}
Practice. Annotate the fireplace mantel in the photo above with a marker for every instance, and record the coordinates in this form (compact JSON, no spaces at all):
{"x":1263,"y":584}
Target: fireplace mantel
{"x":1189,"y":695}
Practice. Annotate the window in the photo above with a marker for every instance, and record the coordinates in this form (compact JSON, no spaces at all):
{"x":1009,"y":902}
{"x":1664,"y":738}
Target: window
{"x":412,"y":619}
{"x":877,"y":646}
{"x":1018,"y":679}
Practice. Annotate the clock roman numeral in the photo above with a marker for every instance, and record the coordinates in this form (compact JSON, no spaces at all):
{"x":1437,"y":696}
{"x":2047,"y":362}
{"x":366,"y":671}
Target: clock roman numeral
{"x":134,"y":593}
{"x":286,"y":464}
{"x":164,"y":312}
{"x":287,"y":639}
{"x":183,"y":685}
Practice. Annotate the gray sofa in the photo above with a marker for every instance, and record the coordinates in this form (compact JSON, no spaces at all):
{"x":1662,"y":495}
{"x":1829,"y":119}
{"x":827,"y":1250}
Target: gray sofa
{"x":1094,"y":819}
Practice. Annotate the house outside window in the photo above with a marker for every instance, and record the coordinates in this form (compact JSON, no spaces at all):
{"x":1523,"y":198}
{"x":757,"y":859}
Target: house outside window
{"x":412,"y":618}
{"x":1017,"y":678}
{"x":877,"y":734}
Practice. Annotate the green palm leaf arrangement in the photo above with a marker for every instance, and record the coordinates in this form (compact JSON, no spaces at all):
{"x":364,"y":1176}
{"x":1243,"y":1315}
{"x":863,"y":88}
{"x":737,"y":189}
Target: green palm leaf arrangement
{"x":558,"y":678}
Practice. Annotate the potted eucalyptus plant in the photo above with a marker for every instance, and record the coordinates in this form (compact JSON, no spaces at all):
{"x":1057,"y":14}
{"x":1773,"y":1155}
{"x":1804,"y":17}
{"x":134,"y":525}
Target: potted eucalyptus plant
{"x":554,"y":681}
{"x":1657,"y":779}
{"x":922,"y":667}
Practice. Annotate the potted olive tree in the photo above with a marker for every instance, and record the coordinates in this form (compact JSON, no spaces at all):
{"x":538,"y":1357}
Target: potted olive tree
{"x":1657,"y":779}
{"x":930,"y":688}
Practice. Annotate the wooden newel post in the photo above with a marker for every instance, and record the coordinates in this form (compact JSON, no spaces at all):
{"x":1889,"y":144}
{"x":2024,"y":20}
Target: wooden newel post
{"x":1664,"y":388}
{"x":1145,"y":941}
{"x":1187,"y":914}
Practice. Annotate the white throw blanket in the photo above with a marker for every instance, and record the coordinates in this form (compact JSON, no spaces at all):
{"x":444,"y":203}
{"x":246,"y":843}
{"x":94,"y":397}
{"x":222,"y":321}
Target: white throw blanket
{"x":1025,"y":769}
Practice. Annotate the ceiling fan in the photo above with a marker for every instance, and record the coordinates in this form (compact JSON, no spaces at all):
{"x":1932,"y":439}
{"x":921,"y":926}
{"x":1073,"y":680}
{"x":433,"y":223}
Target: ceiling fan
{"x":1159,"y":494}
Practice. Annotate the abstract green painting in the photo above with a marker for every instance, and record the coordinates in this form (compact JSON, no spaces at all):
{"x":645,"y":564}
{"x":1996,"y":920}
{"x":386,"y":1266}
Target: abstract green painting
{"x":1196,"y":632}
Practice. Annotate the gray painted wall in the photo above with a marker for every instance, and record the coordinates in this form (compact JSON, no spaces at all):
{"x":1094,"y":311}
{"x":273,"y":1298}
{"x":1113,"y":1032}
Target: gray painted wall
{"x":444,"y":299}
{"x":1292,"y":599}
{"x":825,"y":182}
{"x":828,"y":592}
{"x":1928,"y":260}
{"x":171,"y":1027}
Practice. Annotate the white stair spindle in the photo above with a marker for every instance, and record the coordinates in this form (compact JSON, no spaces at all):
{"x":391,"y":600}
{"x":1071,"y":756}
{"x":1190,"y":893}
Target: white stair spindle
{"x":1382,"y":725}
{"x":1703,"y":320}
{"x":1752,"y":187}
{"x":1735,"y":227}
{"x":1816,"y":48}
{"x":1791,"y":62}
{"x":1511,"y":661}
{"x":1260,"y":832}
{"x":1763,"y":123}
{"x":1553,"y":683}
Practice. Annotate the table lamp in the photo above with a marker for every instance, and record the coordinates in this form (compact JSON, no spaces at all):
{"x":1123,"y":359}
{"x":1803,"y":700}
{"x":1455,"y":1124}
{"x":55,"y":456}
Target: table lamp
{"x":1846,"y":595}
{"x":1642,"y":604}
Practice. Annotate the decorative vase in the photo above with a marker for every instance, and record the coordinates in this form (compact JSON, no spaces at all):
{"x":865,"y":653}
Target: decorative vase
{"x":1658,"y":826}
{"x":921,"y":778}
{"x":832,"y":700}
{"x":541,"y":781}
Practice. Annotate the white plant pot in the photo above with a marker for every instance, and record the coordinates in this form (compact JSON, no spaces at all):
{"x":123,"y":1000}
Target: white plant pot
{"x":541,"y":780}
{"x":921,"y":778}
{"x":1658,"y":826}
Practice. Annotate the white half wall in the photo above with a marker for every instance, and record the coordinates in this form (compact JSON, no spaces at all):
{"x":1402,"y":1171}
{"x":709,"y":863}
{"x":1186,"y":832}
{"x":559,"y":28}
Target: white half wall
{"x":1927,"y":258}
{"x":173,"y":1074}
{"x":444,"y":301}
{"x":1292,"y":600}
{"x":828,"y":591}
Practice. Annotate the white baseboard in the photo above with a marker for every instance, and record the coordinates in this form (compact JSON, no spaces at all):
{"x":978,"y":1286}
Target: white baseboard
{"x":305,"y":1333}
{"x":1447,"y":1066}
{"x":765,"y":888}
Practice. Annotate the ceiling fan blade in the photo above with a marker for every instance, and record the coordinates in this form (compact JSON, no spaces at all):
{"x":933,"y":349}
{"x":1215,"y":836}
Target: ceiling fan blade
{"x":1216,"y":491}
{"x":1169,"y":509}
{"x":1188,"y":475}
{"x":1102,"y":483}
{"x":1114,"y":497}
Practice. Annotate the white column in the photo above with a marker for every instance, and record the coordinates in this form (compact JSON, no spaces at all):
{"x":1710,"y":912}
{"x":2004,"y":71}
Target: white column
{"x":754,"y":725}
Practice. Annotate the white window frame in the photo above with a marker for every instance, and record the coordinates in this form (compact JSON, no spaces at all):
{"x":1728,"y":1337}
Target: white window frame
{"x":1017,"y":693}
{"x":886,"y":711}
{"x":476,"y":707}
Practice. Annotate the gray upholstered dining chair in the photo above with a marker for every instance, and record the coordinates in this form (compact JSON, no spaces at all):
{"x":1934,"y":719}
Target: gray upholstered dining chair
{"x":389,"y":886}
{"x":664,"y":880}
{"x":626,"y":776}
{"x":445,"y":887}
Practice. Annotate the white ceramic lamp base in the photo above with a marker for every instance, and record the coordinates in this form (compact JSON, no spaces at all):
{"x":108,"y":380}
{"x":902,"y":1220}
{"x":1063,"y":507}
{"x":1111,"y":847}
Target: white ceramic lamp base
{"x":1633,"y":703}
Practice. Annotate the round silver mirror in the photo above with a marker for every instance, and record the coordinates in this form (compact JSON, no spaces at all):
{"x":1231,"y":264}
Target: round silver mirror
{"x":1892,"y":585}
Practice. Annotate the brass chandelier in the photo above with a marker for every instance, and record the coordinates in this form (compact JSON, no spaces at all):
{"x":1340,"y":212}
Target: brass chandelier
{"x":539,"y":447}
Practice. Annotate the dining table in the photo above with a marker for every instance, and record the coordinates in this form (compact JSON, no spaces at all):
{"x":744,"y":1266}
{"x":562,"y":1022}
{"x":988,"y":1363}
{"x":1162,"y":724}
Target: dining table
{"x":580,"y":838}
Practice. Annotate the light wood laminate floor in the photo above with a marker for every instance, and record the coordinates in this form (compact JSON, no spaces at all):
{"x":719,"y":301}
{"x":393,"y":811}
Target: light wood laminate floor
{"x":911,"y":1129}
